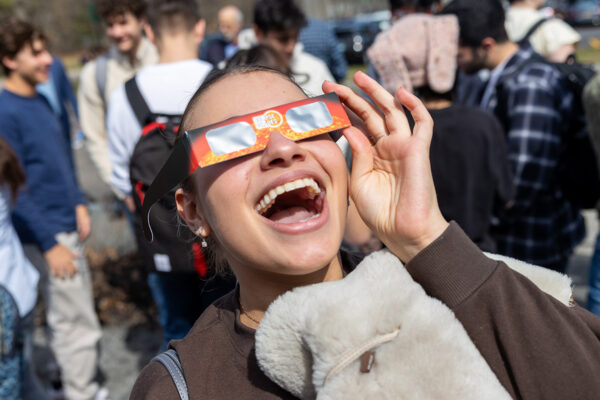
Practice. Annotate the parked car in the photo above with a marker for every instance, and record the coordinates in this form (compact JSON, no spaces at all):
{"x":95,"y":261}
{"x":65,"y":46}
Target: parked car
{"x":584,"y":12}
{"x":358,"y":33}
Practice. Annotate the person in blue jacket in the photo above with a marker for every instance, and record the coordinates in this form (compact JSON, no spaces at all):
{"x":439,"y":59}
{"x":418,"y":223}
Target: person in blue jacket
{"x":50,"y":216}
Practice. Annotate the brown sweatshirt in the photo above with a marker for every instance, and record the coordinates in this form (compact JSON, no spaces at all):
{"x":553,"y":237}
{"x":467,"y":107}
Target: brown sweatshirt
{"x":537,"y":347}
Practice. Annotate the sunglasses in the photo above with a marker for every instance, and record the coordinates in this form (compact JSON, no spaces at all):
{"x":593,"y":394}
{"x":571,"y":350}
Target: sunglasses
{"x":239,"y":136}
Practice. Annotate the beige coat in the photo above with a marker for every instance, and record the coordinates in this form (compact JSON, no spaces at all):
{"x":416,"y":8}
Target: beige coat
{"x":92,"y":107}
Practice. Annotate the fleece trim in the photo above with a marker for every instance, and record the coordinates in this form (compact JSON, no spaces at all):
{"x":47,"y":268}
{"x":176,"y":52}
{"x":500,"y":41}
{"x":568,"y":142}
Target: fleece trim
{"x":430,"y":357}
{"x":420,"y":349}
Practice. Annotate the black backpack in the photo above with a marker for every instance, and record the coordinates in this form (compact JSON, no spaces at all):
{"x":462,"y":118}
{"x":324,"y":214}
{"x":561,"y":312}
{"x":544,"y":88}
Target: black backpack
{"x":174,"y":248}
{"x":578,"y":174}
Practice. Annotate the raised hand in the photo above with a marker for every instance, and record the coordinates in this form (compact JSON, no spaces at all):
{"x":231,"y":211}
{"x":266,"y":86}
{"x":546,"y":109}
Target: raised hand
{"x":391,"y":182}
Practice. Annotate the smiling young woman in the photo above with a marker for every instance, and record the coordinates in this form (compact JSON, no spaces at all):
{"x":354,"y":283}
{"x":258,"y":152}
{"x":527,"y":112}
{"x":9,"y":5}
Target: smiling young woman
{"x":277,"y":217}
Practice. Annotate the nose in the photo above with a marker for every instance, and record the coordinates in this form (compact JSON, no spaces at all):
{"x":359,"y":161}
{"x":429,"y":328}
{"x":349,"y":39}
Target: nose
{"x":47,"y":58}
{"x":281,"y":152}
{"x":289,"y":46}
{"x":114,"y":31}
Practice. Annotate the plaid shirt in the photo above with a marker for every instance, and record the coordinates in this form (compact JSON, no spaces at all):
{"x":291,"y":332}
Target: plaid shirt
{"x":319,"y":39}
{"x":534,"y":104}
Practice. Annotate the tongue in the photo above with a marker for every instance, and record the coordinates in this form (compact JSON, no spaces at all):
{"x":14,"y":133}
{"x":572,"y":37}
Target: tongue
{"x":291,"y":215}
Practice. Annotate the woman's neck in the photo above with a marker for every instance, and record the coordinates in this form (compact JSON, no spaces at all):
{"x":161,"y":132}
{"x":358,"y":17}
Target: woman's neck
{"x":258,"y":289}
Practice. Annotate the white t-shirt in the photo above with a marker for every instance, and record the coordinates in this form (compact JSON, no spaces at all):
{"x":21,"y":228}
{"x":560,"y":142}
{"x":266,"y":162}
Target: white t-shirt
{"x":309,"y":71}
{"x":547,"y":38}
{"x":167,"y":88}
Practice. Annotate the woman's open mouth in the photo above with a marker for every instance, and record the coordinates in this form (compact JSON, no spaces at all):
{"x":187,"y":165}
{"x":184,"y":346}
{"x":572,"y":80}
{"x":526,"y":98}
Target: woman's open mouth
{"x":294,"y":202}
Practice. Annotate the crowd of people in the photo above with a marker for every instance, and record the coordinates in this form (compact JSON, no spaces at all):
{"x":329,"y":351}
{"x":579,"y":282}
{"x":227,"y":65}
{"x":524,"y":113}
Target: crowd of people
{"x":300,"y":238}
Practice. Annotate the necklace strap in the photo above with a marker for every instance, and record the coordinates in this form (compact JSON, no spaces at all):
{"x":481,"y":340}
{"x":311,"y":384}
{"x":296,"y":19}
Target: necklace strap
{"x":244,"y":312}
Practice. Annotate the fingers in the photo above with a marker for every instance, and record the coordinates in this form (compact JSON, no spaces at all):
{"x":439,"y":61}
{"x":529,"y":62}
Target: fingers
{"x":84,"y":231}
{"x":395,"y":119}
{"x":423,"y":122}
{"x":366,"y":111}
{"x":362,"y":158}
{"x":64,"y":271}
{"x":64,"y":265}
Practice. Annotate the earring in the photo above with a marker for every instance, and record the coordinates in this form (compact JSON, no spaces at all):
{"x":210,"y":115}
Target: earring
{"x":200,"y":233}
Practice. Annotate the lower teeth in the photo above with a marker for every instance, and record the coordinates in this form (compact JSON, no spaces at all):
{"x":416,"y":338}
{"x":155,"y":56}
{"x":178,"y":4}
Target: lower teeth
{"x":313,"y":217}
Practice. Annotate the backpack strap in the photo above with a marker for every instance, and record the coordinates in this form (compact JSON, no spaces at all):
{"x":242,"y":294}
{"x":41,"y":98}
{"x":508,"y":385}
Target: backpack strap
{"x":136,"y":100}
{"x":101,"y":75}
{"x":171,"y":362}
{"x":531,"y":30}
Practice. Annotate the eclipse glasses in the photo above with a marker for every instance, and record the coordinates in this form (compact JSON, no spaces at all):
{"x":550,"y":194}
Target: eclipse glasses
{"x":239,"y":136}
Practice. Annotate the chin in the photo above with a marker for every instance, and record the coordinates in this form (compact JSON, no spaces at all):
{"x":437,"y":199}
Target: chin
{"x":125,"y":46}
{"x":306,"y":257}
{"x":42,"y":77}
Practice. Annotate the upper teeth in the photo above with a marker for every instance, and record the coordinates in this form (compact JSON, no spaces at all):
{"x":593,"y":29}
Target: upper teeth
{"x":268,"y":199}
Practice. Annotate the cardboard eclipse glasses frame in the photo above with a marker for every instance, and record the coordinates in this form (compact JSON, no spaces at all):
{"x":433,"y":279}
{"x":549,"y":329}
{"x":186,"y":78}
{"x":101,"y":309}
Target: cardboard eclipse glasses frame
{"x":240,"y":136}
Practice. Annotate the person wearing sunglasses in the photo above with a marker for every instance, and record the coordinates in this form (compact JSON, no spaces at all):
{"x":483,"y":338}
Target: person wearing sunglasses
{"x":264,"y":185}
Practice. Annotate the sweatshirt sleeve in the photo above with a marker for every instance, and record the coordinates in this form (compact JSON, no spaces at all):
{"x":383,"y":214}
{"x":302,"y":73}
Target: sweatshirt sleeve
{"x":27,"y":217}
{"x":92,"y":117}
{"x":537,"y":346}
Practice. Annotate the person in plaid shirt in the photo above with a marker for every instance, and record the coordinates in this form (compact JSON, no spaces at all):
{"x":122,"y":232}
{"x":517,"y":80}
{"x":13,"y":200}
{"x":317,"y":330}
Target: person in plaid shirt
{"x":534,"y":105}
{"x":319,"y":40}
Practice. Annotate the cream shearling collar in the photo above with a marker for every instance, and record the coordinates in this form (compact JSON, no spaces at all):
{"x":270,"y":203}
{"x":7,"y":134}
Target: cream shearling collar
{"x":421,"y":351}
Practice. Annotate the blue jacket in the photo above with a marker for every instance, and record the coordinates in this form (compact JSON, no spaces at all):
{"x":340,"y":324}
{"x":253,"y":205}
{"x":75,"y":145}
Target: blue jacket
{"x":46,"y":206}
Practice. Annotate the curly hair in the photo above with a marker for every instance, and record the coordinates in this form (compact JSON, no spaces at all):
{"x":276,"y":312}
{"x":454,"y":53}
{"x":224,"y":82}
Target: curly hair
{"x":15,"y":34}
{"x":111,"y":8}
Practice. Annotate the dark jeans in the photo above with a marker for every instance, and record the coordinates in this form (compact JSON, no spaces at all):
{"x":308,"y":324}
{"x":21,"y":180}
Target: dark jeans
{"x":32,"y":387}
{"x":182,"y":297}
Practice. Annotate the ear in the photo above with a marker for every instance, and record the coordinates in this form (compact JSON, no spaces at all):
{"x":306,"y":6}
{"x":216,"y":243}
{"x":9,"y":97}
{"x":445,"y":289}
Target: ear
{"x":189,"y":210}
{"x":257,"y":33}
{"x":149,"y":33}
{"x":488,"y":43}
{"x":199,"y":30}
{"x":9,"y":63}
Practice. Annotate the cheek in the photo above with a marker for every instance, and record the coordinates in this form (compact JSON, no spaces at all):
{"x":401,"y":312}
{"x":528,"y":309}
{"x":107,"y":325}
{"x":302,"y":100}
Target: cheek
{"x":226,"y":190}
{"x":134,"y":29}
{"x":330,"y":156}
